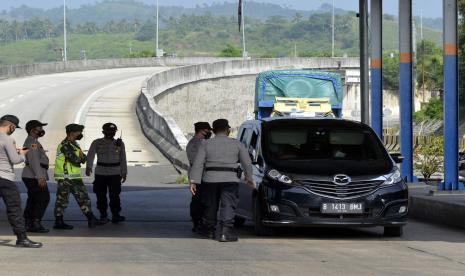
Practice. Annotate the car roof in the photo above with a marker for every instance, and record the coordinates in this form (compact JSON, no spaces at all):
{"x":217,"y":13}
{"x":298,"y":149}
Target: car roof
{"x":314,"y":121}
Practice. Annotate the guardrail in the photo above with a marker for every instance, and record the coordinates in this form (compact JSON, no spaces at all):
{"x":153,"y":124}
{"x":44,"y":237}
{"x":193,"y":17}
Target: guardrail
{"x":392,"y":142}
{"x":22,"y":70}
{"x":165,"y":133}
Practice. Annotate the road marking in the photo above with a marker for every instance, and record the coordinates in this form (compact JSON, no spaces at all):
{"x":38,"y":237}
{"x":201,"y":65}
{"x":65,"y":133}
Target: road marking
{"x":42,"y":88}
{"x":79,"y":118}
{"x":2,"y":105}
{"x":21,"y":95}
{"x":11,"y":100}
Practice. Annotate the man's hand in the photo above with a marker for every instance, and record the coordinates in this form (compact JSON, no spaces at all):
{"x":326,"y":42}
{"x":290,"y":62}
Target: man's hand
{"x":88,"y":171}
{"x":42,"y":184}
{"x":251,"y":183}
{"x":123,"y":178}
{"x":193,"y":188}
{"x":22,"y":151}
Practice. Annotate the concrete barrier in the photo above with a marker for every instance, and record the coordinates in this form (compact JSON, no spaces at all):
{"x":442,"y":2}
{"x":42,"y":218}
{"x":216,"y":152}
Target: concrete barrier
{"x":163,"y":130}
{"x":14,"y":71}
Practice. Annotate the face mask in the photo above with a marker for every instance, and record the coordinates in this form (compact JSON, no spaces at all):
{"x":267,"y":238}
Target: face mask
{"x":12,"y":130}
{"x":80,"y":136}
{"x":41,"y":133}
{"x":208,"y":135}
{"x":109,"y":135}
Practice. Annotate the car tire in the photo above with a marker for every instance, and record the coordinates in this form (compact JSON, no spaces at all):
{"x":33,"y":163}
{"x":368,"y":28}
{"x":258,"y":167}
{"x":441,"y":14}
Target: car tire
{"x":239,"y":221}
{"x":260,"y":229}
{"x":393,"y":231}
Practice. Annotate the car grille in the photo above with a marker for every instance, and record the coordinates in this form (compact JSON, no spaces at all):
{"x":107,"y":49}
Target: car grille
{"x":351,"y":190}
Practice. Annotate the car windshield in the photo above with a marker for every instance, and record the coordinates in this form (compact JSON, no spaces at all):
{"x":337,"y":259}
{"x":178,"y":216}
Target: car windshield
{"x":321,"y":150}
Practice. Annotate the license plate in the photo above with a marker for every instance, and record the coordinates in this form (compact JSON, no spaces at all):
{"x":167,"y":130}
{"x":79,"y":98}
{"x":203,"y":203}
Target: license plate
{"x":342,"y":208}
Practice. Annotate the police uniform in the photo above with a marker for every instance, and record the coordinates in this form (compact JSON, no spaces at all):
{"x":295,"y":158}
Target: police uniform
{"x":215,"y":169}
{"x":37,"y":164}
{"x":69,"y":158}
{"x":111,"y":168}
{"x":196,"y":206}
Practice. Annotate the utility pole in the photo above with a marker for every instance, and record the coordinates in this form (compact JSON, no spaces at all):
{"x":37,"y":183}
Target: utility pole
{"x":244,"y":52}
{"x":364,"y":82}
{"x":333,"y":27}
{"x":157,"y":54}
{"x":65,"y":52}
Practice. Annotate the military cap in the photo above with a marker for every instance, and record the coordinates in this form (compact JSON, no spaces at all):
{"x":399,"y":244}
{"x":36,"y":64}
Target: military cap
{"x":74,"y":128}
{"x":202,"y":125}
{"x":33,"y":124}
{"x":220,"y":124}
{"x":109,"y":127}
{"x":12,"y":119}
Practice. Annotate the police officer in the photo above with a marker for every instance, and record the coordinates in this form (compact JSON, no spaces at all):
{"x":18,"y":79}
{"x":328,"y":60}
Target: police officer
{"x":9,"y":192}
{"x":203,"y":131}
{"x":68,"y":162}
{"x":110,"y":172}
{"x":216,"y":170}
{"x":35,"y":177}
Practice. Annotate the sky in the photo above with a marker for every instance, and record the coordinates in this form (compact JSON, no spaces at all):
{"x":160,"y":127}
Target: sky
{"x":430,"y":8}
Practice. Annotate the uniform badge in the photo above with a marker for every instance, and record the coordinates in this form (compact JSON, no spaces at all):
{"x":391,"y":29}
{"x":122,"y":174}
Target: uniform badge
{"x":34,"y":146}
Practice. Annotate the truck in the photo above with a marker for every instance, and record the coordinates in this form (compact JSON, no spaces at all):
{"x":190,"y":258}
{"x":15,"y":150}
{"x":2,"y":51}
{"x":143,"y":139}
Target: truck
{"x":298,"y":93}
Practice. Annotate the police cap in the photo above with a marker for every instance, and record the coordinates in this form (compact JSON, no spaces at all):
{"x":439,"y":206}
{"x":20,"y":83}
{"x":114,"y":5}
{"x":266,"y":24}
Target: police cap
{"x":74,"y":128}
{"x":33,"y":124}
{"x":12,"y":119}
{"x":109,"y":127}
{"x":221,"y":124}
{"x":201,"y":126}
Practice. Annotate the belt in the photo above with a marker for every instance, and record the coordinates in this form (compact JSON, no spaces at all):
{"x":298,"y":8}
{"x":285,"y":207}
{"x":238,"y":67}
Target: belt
{"x":103,"y":164}
{"x":43,"y":166}
{"x":221,"y":169}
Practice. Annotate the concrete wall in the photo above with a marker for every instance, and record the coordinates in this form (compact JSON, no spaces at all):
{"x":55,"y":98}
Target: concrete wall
{"x":166,"y":134}
{"x":14,"y":71}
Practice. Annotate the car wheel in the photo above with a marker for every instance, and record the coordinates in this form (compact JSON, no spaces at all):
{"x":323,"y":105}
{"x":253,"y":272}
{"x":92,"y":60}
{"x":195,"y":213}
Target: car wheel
{"x":239,"y":221}
{"x":260,"y":229}
{"x":393,"y":231}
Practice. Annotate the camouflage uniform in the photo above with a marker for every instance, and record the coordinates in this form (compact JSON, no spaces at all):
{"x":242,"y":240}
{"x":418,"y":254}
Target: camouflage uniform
{"x":75,"y":186}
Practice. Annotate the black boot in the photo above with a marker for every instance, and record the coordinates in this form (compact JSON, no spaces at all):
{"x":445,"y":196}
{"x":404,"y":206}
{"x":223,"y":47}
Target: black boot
{"x":206,"y":232}
{"x":117,"y":218}
{"x":36,"y":227}
{"x":23,"y":241}
{"x":92,"y":221}
{"x":104,"y":218}
{"x":226,"y":235}
{"x":60,"y":224}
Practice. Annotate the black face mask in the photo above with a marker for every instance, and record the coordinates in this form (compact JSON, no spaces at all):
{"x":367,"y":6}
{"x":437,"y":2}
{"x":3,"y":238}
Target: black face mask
{"x":40,"y":133}
{"x":208,"y":135}
{"x":109,"y":135}
{"x":12,"y":130}
{"x":80,"y":136}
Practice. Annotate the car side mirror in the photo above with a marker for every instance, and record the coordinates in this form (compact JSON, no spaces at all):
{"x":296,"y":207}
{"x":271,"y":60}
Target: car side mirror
{"x":397,"y":157}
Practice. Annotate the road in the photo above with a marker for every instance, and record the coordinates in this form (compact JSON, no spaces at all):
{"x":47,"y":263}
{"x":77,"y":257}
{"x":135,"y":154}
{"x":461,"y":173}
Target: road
{"x":157,"y":239}
{"x":91,"y":98}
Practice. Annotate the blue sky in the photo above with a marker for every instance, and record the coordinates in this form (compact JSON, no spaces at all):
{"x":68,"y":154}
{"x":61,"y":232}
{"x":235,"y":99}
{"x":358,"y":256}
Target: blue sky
{"x":431,"y":8}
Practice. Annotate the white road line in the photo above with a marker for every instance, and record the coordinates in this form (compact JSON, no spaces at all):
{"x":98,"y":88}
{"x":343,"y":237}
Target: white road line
{"x":79,"y":118}
{"x":11,"y":100}
{"x":21,"y":95}
{"x":30,"y":91}
{"x":2,"y":105}
{"x":42,"y":88}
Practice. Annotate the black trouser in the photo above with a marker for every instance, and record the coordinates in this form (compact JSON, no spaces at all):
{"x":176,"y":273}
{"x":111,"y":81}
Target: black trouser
{"x":196,"y":207}
{"x":10,"y":194}
{"x":112,"y":184}
{"x":224,"y":196}
{"x":37,"y":199}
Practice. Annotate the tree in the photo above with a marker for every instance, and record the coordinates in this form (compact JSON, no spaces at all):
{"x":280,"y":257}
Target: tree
{"x":429,"y":157}
{"x":391,"y":71}
{"x":230,"y":51}
{"x":146,"y":32}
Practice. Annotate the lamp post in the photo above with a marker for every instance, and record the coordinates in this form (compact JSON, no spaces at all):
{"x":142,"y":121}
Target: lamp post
{"x":65,"y":53}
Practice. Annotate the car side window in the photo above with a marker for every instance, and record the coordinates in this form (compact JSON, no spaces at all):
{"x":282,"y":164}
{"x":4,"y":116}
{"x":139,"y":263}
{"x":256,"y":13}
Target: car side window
{"x":245,"y":137}
{"x":254,"y":140}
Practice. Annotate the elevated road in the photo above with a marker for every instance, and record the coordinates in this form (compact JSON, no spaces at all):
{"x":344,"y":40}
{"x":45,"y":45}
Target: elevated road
{"x":91,"y":98}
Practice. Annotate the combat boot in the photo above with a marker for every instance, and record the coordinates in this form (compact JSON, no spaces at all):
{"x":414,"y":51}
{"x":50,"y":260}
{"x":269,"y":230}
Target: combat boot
{"x":206,"y":232}
{"x":24,"y":242}
{"x":61,"y":225}
{"x":117,"y":218}
{"x":36,"y":227}
{"x":227,"y":236}
{"x":104,"y":219}
{"x":92,"y":221}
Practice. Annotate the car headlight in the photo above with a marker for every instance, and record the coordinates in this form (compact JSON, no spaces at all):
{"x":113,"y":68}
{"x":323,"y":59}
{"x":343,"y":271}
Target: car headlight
{"x":394,"y":178}
{"x":275,"y":175}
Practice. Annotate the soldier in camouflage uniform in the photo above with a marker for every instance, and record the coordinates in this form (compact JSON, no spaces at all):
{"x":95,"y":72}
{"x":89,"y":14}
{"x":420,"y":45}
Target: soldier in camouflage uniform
{"x":68,"y":174}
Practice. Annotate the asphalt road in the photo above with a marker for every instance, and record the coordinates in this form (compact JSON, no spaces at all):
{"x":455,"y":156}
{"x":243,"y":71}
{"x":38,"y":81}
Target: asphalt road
{"x":157,"y":238}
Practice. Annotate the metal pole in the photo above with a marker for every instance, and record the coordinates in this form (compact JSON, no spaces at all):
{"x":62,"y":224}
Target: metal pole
{"x":451,"y":97}
{"x":377,"y":66}
{"x":332,"y":35}
{"x":406,"y":87}
{"x":156,"y":36}
{"x":65,"y":51}
{"x":244,"y":53}
{"x":365,"y":96}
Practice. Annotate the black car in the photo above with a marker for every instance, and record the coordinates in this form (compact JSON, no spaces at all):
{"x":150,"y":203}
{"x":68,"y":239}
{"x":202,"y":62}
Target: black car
{"x":320,"y":172}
